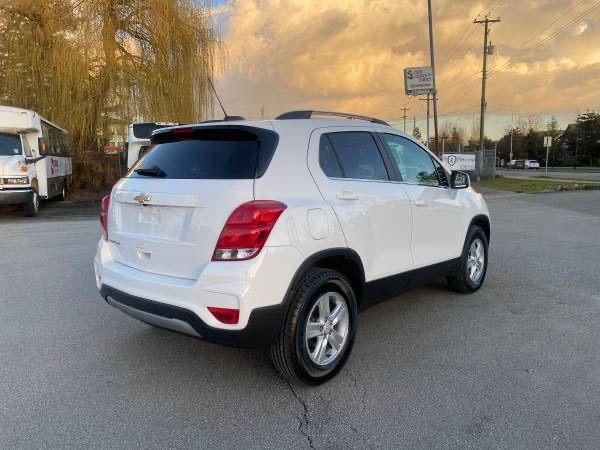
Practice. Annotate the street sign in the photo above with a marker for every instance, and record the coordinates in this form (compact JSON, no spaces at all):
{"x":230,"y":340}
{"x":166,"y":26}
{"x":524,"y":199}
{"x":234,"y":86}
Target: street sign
{"x":418,"y":80}
{"x":459,"y":161}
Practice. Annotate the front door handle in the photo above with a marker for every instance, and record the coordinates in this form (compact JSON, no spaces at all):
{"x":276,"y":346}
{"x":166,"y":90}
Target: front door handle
{"x":420,"y":203}
{"x":347,"y":195}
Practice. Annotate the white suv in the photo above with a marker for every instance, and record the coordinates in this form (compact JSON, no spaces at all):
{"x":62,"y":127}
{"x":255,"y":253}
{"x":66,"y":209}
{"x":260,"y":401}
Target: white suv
{"x":275,"y":233}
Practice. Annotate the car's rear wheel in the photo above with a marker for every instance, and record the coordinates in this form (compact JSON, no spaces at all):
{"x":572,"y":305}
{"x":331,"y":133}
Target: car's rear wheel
{"x":470,"y":274}
{"x":318,"y":335}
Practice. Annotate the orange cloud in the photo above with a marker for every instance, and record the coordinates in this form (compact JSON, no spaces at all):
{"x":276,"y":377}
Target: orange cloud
{"x":350,"y":55}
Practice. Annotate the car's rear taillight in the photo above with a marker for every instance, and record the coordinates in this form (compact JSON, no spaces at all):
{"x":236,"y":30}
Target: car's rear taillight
{"x":247,"y":230}
{"x":104,"y":215}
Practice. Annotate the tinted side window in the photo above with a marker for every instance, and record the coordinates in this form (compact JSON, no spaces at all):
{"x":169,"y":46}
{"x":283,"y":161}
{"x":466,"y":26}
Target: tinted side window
{"x":328,"y":159}
{"x":358,"y":155}
{"x":414,"y":163}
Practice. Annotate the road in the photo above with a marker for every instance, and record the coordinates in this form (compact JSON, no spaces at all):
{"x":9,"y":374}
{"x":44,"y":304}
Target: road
{"x":516,"y":365}
{"x":562,"y":174}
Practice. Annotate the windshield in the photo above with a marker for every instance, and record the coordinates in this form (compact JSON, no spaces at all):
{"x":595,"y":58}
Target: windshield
{"x":10,"y":144}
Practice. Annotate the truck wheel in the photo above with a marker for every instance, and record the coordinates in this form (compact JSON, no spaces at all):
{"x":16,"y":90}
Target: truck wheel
{"x":33,"y":205}
{"x":319,"y":332}
{"x":63,"y":192}
{"x":470,"y":274}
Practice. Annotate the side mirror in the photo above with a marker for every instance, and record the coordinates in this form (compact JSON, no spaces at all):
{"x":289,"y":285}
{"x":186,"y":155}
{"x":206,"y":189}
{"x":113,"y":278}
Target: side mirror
{"x":459,"y":180}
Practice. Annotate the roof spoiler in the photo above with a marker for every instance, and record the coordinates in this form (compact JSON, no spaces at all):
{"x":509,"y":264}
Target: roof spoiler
{"x":307,"y":114}
{"x":225,"y":119}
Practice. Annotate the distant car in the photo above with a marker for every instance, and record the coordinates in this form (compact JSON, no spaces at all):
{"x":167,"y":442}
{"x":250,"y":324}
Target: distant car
{"x":516,"y":164}
{"x":532,"y":164}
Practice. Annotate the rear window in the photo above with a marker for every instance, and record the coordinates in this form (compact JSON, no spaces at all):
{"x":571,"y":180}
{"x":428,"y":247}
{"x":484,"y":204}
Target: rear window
{"x":210,"y":153}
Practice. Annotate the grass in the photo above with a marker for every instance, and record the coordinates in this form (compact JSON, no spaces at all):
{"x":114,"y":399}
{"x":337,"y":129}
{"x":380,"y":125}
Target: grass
{"x":533,"y":186}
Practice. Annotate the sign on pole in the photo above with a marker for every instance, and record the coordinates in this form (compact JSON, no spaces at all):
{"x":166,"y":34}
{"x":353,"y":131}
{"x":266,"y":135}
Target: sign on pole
{"x":418,"y":80}
{"x":459,"y":161}
{"x":547,"y":144}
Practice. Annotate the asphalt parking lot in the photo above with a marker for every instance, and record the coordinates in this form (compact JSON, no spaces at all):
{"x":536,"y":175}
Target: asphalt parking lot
{"x":516,"y":365}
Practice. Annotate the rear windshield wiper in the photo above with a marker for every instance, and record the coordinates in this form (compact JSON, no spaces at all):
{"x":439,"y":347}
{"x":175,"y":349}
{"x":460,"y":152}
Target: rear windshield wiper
{"x":153,"y":171}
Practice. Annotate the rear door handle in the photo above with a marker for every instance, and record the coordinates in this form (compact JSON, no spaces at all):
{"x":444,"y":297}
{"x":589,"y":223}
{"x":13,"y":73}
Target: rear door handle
{"x":347,"y":195}
{"x":420,"y":203}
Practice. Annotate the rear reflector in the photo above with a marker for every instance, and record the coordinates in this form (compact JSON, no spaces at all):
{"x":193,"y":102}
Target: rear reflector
{"x":104,"y":216}
{"x":225,"y":315}
{"x":247,"y":230}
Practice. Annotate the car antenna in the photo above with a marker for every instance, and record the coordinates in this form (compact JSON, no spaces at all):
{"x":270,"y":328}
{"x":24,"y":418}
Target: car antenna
{"x":217,"y":95}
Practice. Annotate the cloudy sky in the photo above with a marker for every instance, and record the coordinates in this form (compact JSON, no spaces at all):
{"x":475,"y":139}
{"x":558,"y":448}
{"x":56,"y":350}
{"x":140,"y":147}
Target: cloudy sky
{"x":349,"y":55}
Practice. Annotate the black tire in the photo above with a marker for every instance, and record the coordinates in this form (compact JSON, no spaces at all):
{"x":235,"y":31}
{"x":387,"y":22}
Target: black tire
{"x":32,"y":206}
{"x":289,"y":354}
{"x":63,"y":192}
{"x":459,"y":280}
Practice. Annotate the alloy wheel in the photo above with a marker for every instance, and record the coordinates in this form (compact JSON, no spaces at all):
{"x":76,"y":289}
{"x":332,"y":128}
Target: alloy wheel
{"x":476,"y":261}
{"x":327,"y":328}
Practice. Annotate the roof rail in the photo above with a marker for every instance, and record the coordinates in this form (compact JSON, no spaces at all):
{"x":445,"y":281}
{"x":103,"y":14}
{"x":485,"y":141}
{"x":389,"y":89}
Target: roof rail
{"x":307,"y":114}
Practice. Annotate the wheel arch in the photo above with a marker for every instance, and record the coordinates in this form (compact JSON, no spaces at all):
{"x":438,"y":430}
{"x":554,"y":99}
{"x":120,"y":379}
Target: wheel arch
{"x":483,"y":222}
{"x":344,"y":260}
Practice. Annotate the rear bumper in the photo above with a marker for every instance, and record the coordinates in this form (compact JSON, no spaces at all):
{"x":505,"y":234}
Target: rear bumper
{"x":15,"y":196}
{"x":264,"y":324}
{"x":256,"y":287}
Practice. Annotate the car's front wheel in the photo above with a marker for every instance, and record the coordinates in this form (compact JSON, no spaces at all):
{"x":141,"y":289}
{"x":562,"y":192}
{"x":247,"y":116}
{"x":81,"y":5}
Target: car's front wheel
{"x":32,"y":206}
{"x":470,"y":273}
{"x":319,"y":332}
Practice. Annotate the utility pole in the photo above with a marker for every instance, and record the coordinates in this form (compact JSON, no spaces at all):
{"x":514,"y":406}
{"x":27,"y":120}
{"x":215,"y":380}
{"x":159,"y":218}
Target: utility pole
{"x":486,"y":50}
{"x":404,"y":116}
{"x":576,"y":145}
{"x":432,"y":57}
{"x":511,"y":153}
{"x":427,"y":127}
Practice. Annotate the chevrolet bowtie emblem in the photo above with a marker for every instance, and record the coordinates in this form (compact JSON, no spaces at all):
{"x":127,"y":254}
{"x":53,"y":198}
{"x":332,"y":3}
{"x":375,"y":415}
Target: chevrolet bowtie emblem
{"x":143,"y":198}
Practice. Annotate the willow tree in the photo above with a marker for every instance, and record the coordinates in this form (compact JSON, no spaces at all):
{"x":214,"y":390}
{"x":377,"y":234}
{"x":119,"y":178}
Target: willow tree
{"x":91,"y":64}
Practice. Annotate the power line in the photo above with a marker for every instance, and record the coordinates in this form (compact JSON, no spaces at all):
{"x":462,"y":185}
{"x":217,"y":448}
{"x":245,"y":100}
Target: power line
{"x":472,"y":28}
{"x":524,"y":51}
{"x":549,"y":38}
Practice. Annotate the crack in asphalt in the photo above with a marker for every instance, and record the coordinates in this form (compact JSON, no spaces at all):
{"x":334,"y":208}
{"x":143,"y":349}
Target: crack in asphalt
{"x":303,"y":420}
